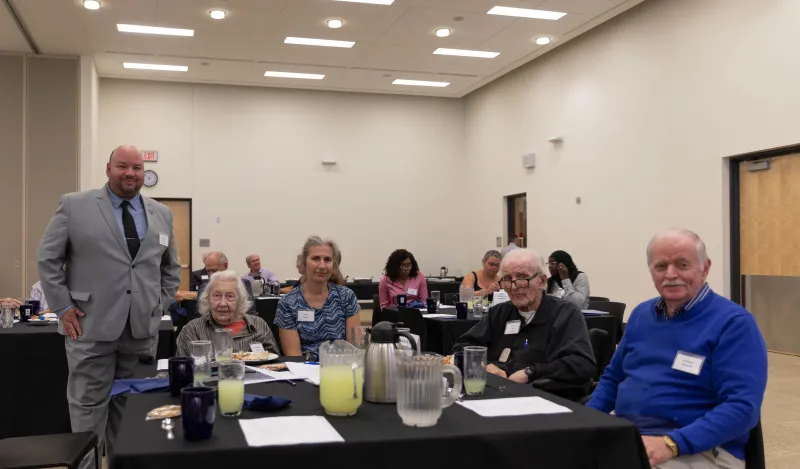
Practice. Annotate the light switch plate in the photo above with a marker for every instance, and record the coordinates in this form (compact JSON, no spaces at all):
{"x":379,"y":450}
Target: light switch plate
{"x":499,"y":241}
{"x":205,"y":243}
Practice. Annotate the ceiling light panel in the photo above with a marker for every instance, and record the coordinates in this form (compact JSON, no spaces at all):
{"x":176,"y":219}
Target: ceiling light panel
{"x":437,"y":84}
{"x":163,"y":68}
{"x":305,"y":76}
{"x":304,"y":41}
{"x":217,"y":14}
{"x":335,"y":24}
{"x":526,"y":13}
{"x":132,"y":28}
{"x":91,"y":4}
{"x":466,"y":53}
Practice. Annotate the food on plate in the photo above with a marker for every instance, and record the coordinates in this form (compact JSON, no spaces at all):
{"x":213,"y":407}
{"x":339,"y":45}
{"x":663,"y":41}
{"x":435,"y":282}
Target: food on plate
{"x":252,"y":356}
{"x":274,"y":367}
{"x":165,"y":411}
{"x":447,"y":360}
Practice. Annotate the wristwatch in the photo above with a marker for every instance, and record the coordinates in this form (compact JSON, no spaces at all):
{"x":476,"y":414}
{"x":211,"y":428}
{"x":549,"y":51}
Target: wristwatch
{"x":671,"y":445}
{"x":529,"y":373}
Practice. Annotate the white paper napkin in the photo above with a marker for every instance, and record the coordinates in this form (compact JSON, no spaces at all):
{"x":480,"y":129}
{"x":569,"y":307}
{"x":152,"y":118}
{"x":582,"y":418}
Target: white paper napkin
{"x":513,"y":406}
{"x":310,"y":372}
{"x":281,"y":431}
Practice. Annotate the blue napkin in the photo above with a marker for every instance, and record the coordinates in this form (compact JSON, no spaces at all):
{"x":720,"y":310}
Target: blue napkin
{"x":139,"y":386}
{"x":416,"y":304}
{"x":265,"y":404}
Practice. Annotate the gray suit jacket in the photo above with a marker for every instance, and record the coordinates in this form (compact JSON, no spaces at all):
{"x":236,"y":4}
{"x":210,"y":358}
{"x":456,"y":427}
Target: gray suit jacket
{"x":100,"y":276}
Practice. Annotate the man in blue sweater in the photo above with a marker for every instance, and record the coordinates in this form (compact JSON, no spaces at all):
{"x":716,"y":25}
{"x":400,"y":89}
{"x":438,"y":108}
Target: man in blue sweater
{"x":691,"y":370}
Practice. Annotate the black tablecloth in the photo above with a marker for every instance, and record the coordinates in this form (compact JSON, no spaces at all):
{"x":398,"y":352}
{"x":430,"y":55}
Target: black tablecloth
{"x":443,"y":332}
{"x":376,"y":437}
{"x":33,"y":378}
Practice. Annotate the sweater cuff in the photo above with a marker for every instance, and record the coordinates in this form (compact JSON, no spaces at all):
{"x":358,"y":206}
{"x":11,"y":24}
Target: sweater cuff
{"x":683,"y":445}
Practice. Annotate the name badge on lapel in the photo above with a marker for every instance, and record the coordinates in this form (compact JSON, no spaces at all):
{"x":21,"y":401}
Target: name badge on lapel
{"x":163,"y":239}
{"x":512,"y":327}
{"x":412,"y":291}
{"x":305,"y":316}
{"x":688,"y":362}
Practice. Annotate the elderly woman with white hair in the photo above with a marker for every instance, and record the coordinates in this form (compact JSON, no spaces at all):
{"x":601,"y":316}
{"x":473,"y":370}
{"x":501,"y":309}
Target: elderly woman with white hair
{"x":533,"y":336}
{"x":223,"y":304}
{"x":318,"y":310}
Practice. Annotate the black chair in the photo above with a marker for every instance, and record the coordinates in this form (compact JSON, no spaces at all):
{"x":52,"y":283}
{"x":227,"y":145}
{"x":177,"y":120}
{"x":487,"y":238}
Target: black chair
{"x":376,"y":305}
{"x":613,"y":308}
{"x":603,"y":351}
{"x":598,"y":298}
{"x":754,"y":451}
{"x":63,"y":449}
{"x":450,"y":298}
{"x":267,"y":308}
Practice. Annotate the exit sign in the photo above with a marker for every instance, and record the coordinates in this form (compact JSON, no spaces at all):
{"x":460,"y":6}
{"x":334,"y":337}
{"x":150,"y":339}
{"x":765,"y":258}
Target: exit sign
{"x":150,"y":155}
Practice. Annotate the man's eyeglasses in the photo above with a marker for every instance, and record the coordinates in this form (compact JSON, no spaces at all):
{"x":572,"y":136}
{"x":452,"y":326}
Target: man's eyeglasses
{"x":519,"y":283}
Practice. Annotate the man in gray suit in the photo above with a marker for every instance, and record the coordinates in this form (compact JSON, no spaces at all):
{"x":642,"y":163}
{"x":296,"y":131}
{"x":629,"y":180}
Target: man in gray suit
{"x":109,"y":269}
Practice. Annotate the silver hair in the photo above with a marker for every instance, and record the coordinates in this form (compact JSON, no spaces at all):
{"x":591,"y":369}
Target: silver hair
{"x":242,"y":302}
{"x":248,"y":259}
{"x":311,"y":242}
{"x":525,"y":255}
{"x":700,"y":246}
{"x":222,"y":258}
{"x":492,"y":253}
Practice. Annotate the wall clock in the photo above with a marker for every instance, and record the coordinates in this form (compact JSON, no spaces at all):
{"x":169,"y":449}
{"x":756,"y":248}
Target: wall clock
{"x":150,"y":178}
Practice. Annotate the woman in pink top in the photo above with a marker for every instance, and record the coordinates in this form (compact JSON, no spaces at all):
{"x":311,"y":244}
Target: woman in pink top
{"x":402,"y":277}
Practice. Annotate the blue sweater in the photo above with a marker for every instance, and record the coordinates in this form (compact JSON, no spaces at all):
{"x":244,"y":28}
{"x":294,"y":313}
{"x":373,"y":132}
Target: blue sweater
{"x":718,"y":407}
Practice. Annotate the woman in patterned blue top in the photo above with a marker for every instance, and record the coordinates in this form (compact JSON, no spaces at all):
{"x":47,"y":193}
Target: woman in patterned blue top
{"x":318,"y":310}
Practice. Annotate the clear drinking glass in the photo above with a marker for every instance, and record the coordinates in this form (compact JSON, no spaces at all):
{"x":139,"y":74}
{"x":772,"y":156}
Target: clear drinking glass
{"x":474,"y":370}
{"x":7,"y":311}
{"x":223,"y":345}
{"x":420,"y":394}
{"x":202,"y":352}
{"x":341,"y":378}
{"x":230,"y":387}
{"x":437,"y":296}
{"x":477,"y":310}
{"x":466,"y":295}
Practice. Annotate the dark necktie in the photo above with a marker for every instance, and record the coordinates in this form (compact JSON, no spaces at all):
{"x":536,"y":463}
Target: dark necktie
{"x":131,"y":235}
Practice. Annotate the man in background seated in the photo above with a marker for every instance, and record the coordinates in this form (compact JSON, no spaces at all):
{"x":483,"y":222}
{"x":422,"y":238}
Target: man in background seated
{"x":199,"y":277}
{"x":258,"y":275}
{"x":223,"y":303}
{"x":38,"y":294}
{"x":691,"y":369}
{"x":512,"y":244}
{"x":534,"y":335}
{"x":214,"y":261}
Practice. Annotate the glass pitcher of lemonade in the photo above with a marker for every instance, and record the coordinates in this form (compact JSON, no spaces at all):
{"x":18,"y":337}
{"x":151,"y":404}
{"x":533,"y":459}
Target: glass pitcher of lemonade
{"x":341,"y":378}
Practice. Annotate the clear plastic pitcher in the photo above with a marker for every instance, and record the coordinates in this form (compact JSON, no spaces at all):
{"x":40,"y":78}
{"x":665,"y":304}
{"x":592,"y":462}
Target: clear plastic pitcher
{"x":341,"y":376}
{"x":466,"y":295}
{"x":420,"y":394}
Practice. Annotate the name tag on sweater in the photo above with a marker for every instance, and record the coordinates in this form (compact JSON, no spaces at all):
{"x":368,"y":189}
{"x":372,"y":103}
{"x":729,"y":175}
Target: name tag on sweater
{"x":512,"y":327}
{"x":688,"y":363}
{"x":305,"y":316}
{"x":412,"y":291}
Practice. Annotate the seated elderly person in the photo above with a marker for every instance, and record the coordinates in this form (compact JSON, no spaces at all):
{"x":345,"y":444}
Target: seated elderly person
{"x":532,"y":336}
{"x":317,"y":310}
{"x":691,"y":369}
{"x":223,"y":304}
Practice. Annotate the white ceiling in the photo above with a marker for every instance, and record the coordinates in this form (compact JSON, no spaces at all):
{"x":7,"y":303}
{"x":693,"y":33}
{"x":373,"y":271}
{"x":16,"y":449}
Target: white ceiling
{"x":392,"y":42}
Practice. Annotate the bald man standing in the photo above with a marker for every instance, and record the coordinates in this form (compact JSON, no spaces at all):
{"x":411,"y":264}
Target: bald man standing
{"x":121,"y":273}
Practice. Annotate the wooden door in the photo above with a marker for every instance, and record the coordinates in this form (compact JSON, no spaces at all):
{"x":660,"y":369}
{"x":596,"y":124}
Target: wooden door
{"x":182,"y":226}
{"x":769,"y":204}
{"x":769,"y":220}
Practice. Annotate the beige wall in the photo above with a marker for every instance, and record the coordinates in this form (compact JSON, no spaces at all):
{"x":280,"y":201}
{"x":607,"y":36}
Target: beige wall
{"x":38,"y":128}
{"x":252,"y":158}
{"x":12,"y":103}
{"x":648,"y":105}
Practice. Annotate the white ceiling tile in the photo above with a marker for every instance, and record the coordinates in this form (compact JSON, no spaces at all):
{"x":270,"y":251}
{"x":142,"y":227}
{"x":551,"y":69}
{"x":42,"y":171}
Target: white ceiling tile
{"x":417,"y":26}
{"x":11,"y":39}
{"x":396,"y":40}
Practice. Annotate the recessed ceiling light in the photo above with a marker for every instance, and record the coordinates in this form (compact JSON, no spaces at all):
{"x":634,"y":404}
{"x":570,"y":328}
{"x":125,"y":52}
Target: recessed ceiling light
{"x":526,"y":13}
{"x":218,"y":14}
{"x":132,"y":28}
{"x":91,"y":4}
{"x":165,"y":68}
{"x":438,"y":84}
{"x":335,"y":24}
{"x":543,"y":40}
{"x":307,"y":76}
{"x":466,"y":53}
{"x":442,"y":32}
{"x":304,"y":41}
{"x":373,"y":2}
